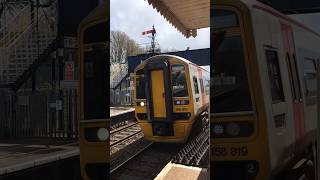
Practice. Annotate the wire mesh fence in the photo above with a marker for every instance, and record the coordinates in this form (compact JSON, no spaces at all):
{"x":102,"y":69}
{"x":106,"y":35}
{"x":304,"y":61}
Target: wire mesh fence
{"x":38,"y":114}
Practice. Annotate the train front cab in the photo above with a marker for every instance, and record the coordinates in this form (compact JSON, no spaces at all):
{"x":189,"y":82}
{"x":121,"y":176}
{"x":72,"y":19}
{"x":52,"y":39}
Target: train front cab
{"x":239,"y":145}
{"x":164,"y":104}
{"x":93,"y":96}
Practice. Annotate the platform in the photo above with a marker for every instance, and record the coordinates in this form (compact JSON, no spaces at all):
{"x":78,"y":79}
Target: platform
{"x":180,"y":172}
{"x":16,"y":155}
{"x":116,"y":111}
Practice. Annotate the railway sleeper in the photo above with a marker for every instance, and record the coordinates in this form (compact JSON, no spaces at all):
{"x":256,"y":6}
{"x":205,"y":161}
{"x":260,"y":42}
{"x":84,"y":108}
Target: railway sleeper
{"x":193,"y":153}
{"x":303,"y":169}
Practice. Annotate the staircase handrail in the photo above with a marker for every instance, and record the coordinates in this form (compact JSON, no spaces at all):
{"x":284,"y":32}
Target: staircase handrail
{"x":27,"y":30}
{"x":16,"y":36}
{"x":11,"y":22}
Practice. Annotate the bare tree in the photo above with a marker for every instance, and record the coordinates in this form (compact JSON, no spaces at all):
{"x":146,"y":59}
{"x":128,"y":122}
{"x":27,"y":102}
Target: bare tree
{"x":122,"y":46}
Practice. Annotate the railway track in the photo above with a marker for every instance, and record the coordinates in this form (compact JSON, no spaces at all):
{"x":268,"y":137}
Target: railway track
{"x":125,"y":143}
{"x":124,"y":133}
{"x":132,"y":157}
{"x":145,"y":163}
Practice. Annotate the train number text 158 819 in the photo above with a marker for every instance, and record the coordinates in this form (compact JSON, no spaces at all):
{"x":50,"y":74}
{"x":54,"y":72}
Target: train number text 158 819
{"x":232,"y":151}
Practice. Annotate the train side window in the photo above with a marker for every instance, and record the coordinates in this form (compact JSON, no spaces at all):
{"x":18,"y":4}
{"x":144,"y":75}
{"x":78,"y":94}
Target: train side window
{"x":195,"y":84}
{"x":274,"y":76}
{"x":310,"y":76}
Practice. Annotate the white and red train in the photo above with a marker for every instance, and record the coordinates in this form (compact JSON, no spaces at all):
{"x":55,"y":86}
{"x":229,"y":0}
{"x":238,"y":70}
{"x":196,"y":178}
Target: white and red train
{"x":171,"y":93}
{"x":264,"y":100}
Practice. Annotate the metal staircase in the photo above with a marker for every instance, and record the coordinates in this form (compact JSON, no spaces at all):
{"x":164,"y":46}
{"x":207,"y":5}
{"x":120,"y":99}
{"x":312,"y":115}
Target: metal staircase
{"x":25,"y":41}
{"x":9,"y":9}
{"x":14,"y":27}
{"x":118,"y":77}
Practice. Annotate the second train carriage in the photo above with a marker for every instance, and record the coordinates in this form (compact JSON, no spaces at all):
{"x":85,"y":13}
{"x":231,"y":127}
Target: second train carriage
{"x":264,"y":110}
{"x":170,"y":94}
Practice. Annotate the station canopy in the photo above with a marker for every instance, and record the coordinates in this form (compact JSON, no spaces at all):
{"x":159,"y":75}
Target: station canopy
{"x":185,"y":15}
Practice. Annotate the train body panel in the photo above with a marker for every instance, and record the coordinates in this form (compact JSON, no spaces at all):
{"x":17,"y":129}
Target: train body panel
{"x":294,"y":120}
{"x":169,"y":96}
{"x":279,"y":113}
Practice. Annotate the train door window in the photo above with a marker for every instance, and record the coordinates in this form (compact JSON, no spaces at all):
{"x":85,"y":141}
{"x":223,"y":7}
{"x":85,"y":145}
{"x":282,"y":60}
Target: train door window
{"x":294,"y":77}
{"x":274,"y":76}
{"x":140,"y":85}
{"x":195,"y":85}
{"x":201,"y":86}
{"x":297,"y":79}
{"x":207,"y":87}
{"x":290,"y":76}
{"x":179,"y":83}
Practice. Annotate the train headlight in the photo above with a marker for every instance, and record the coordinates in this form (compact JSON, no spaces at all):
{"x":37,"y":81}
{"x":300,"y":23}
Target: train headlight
{"x":233,"y":129}
{"x":142,"y":104}
{"x":218,"y":129}
{"x":103,"y":134}
{"x":181,"y":102}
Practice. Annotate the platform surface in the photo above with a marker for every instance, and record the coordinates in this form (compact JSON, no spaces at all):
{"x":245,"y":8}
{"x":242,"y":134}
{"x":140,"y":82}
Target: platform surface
{"x":180,"y":172}
{"x":21,"y":154}
{"x":115,"y":111}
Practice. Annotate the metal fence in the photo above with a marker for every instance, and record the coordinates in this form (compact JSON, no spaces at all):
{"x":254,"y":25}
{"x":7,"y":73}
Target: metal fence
{"x":122,"y":95}
{"x":38,"y":114}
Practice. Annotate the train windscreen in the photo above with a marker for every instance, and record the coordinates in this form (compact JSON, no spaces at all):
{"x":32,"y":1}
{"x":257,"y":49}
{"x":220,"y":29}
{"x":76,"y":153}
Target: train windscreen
{"x":96,"y":72}
{"x":229,"y":76}
{"x":179,"y":84}
{"x":140,"y":85}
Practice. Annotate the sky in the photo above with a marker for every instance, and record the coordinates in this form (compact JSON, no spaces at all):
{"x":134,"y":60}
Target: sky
{"x":135,"y":16}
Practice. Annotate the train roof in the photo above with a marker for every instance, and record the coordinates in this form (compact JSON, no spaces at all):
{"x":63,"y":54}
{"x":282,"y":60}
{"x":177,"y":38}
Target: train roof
{"x":99,"y":13}
{"x":177,"y":57}
{"x":200,"y":57}
{"x":270,"y":10}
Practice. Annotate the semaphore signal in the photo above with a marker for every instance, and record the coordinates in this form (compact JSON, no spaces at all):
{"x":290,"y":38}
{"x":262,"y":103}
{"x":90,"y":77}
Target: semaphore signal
{"x":153,"y":32}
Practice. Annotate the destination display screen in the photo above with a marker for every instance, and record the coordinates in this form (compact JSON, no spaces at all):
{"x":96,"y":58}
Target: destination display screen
{"x":223,"y":19}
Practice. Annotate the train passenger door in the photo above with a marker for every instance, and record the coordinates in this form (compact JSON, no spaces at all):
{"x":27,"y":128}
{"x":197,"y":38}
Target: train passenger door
{"x":157,"y":83}
{"x":158,"y":91}
{"x":298,"y":109}
{"x":196,"y":92}
{"x":159,"y":97}
{"x":203,"y":97}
